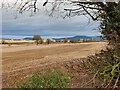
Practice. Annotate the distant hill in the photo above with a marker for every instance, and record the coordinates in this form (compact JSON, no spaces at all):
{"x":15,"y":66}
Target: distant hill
{"x":80,"y":37}
{"x":27,"y":38}
{"x":98,"y":38}
{"x":5,"y":39}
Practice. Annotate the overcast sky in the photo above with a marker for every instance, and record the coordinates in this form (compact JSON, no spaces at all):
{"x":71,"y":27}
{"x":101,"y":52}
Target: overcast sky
{"x":46,"y":26}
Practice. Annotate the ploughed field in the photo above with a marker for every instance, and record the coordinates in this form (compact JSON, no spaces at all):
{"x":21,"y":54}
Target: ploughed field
{"x":21,"y":61}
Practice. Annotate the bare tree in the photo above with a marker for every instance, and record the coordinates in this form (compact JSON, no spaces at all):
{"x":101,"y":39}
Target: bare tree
{"x":63,"y":8}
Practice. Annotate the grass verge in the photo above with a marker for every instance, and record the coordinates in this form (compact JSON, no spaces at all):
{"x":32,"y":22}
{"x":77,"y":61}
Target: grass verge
{"x":50,"y":79}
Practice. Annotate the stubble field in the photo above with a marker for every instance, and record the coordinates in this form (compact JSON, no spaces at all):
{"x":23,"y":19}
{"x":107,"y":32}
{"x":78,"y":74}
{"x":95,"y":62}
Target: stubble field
{"x":21,"y":61}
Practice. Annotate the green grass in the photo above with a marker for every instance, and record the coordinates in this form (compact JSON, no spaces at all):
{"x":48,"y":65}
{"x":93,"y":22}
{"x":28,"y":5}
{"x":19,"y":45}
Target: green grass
{"x":51,"y":79}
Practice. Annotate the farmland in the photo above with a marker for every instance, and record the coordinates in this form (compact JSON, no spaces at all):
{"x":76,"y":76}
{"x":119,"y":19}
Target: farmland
{"x":21,"y":61}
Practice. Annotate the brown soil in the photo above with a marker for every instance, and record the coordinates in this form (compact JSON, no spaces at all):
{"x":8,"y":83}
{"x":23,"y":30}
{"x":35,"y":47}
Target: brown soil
{"x":19,"y":62}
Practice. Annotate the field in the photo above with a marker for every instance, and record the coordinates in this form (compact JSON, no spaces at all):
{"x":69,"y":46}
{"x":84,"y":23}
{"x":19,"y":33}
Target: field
{"x":21,"y":61}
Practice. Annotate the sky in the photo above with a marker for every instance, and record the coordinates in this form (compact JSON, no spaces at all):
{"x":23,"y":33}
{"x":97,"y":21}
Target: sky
{"x":22,"y":25}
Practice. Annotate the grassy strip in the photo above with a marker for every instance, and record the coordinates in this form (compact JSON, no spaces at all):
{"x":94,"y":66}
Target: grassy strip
{"x":50,"y":79}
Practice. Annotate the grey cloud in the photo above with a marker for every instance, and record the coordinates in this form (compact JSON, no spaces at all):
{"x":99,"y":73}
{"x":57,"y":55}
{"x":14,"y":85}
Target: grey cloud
{"x":44,"y":25}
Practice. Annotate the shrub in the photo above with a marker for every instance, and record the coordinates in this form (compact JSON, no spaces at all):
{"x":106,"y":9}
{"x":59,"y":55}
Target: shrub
{"x":54,"y":79}
{"x":74,"y":41}
{"x":65,"y":40}
{"x":4,"y":42}
{"x":107,"y":66}
{"x":48,"y":41}
{"x":38,"y":39}
{"x":107,"y":63}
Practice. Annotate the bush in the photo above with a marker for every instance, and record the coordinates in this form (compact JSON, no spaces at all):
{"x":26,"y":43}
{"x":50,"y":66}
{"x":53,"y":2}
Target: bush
{"x":65,"y":40}
{"x":74,"y":41}
{"x":4,"y":42}
{"x":107,"y":66}
{"x":38,"y":39}
{"x":54,"y":79}
{"x":48,"y":41}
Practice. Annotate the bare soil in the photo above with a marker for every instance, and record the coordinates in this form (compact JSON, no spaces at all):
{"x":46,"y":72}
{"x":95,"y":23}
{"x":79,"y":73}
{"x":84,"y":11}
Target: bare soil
{"x":20,"y":62}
